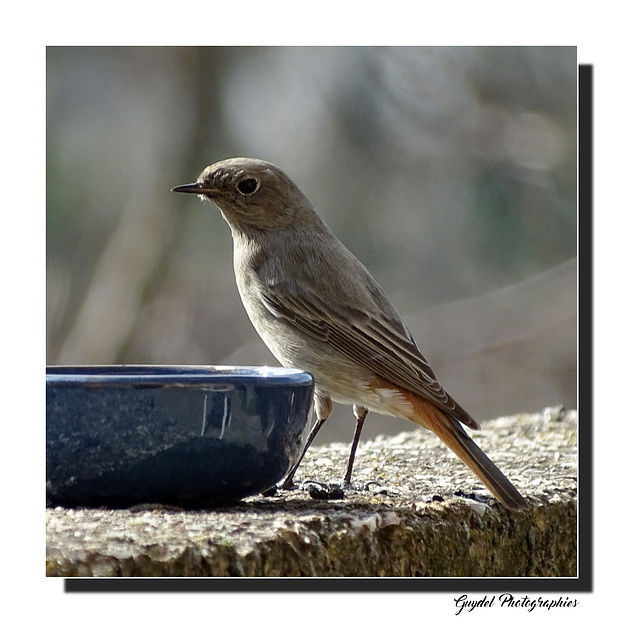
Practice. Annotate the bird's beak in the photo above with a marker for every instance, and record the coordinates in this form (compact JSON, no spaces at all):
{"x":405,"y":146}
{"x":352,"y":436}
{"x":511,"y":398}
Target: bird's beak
{"x":194,"y":187}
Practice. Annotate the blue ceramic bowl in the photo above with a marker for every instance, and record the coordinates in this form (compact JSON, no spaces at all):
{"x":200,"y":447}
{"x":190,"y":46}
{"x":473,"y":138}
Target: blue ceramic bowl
{"x":185,"y":435}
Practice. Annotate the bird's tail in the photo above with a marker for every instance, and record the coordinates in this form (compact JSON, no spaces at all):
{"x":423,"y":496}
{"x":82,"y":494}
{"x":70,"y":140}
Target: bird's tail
{"x":454,"y":436}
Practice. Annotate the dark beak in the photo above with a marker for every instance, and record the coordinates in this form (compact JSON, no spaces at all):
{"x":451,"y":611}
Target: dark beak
{"x":190,"y":188}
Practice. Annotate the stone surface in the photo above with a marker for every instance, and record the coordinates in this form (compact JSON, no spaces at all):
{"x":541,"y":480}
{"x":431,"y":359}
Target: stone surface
{"x":415,"y":510}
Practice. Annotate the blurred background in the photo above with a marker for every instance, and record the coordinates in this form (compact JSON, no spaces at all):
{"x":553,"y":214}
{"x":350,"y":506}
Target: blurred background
{"x":449,"y":171}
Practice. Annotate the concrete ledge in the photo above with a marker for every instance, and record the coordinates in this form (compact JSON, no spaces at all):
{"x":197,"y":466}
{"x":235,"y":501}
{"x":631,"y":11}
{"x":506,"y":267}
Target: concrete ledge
{"x":421,"y":514}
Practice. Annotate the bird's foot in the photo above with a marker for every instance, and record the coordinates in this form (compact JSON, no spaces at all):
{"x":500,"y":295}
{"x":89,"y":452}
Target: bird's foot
{"x":323,"y":491}
{"x":372,"y":486}
{"x":288,"y":484}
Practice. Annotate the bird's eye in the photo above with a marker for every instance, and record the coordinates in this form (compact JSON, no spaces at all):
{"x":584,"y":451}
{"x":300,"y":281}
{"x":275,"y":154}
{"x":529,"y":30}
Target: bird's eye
{"x":248,"y":186}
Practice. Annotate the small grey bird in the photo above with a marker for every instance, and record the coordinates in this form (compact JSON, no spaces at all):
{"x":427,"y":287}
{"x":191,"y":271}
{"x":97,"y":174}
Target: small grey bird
{"x":317,"y":308}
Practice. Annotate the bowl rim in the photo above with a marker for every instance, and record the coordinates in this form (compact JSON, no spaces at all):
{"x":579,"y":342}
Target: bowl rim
{"x":170,"y":375}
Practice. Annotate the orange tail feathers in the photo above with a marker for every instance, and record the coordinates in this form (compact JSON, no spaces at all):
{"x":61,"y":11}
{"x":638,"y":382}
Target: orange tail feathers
{"x":454,"y":436}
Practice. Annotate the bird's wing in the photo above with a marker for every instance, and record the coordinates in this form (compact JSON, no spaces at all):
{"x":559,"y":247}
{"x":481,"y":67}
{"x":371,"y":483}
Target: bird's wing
{"x":377,"y":341}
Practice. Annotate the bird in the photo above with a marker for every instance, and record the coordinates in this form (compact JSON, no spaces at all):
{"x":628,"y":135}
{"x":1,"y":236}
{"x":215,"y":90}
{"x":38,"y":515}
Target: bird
{"x":317,"y":308}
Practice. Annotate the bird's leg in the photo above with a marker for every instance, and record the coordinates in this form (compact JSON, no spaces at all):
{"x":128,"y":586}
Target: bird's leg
{"x":361,"y":414}
{"x":287,"y":483}
{"x":323,"y":407}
